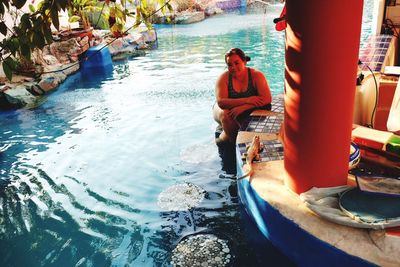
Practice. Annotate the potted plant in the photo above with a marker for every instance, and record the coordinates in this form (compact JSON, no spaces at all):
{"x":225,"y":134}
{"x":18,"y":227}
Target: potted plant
{"x":79,"y":10}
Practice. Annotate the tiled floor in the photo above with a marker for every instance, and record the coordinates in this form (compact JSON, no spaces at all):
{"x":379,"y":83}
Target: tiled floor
{"x":278,"y":105}
{"x":266,"y":124}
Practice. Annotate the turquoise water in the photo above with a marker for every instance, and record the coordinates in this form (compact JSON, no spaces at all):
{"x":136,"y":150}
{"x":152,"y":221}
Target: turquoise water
{"x":83,"y":172}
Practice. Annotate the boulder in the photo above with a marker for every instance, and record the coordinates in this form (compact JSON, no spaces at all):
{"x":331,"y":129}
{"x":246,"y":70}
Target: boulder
{"x":166,"y":18}
{"x":19,"y":96}
{"x":228,"y":4}
{"x":125,"y":44}
{"x":50,"y":60}
{"x":258,"y":6}
{"x":130,"y":44}
{"x":84,"y":42}
{"x":50,"y":81}
{"x":149,"y":36}
{"x":212,"y":10}
{"x":69,"y":69}
{"x":69,"y":50}
{"x":189,"y":17}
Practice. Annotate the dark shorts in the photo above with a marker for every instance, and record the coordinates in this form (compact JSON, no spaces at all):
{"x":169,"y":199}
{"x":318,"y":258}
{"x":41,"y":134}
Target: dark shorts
{"x":246,"y":113}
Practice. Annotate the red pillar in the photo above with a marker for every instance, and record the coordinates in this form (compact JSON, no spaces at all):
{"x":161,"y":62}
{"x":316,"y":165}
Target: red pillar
{"x":322,"y":43}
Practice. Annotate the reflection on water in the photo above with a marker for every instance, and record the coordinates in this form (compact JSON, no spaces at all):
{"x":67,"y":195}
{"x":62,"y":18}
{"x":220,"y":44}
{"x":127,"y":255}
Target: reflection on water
{"x":82,"y":173}
{"x":39,"y":228}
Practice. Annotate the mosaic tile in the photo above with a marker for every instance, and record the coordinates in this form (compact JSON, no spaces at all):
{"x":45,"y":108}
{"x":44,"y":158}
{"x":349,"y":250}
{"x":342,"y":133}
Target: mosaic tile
{"x":262,"y":124}
{"x":278,"y":105}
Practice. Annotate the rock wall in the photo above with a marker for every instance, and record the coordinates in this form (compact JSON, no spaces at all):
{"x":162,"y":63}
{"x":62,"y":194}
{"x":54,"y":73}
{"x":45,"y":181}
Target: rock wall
{"x":61,"y":59}
{"x":229,"y":4}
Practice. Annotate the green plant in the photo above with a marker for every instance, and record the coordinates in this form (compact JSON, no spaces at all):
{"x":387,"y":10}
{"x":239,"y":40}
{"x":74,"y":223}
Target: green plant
{"x":33,"y":30}
{"x":78,"y":10}
{"x":117,"y":16}
{"x":146,"y":9}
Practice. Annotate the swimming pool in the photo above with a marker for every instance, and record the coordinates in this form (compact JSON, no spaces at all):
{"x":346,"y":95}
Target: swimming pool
{"x":87,"y":175}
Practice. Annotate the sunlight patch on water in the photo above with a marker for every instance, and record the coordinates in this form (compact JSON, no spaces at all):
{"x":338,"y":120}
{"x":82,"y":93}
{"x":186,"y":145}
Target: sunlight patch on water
{"x":199,"y":153}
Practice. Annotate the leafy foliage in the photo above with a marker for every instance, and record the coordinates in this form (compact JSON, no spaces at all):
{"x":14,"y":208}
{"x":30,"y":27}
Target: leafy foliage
{"x":146,"y":9}
{"x":33,"y":30}
{"x":117,"y":16}
{"x":78,"y":10}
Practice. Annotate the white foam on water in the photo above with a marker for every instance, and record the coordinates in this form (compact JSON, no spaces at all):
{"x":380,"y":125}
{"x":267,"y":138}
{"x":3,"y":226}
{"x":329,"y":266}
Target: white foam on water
{"x":180,"y":197}
{"x":201,"y":250}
